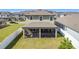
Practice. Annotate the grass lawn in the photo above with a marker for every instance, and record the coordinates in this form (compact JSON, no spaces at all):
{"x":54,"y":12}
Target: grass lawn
{"x":6,"y":31}
{"x":38,"y":43}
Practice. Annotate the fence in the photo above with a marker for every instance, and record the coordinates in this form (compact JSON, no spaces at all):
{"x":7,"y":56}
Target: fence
{"x":10,"y":38}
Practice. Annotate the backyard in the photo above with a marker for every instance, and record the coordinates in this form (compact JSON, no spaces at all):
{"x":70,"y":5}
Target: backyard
{"x":26,"y":43}
{"x":36,"y":43}
{"x":6,"y":31}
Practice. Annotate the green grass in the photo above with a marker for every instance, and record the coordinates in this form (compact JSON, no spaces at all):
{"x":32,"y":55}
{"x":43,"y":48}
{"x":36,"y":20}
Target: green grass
{"x":6,"y":31}
{"x":37,"y":43}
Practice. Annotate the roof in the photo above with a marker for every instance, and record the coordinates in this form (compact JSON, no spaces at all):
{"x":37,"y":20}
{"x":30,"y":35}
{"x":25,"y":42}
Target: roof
{"x":39,"y":12}
{"x":66,"y":13}
{"x":71,"y":21}
{"x":5,"y":13}
{"x":40,"y":25}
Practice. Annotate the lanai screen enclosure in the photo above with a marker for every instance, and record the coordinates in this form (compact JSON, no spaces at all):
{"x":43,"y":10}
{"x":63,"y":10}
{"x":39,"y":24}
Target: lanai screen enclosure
{"x":40,"y":29}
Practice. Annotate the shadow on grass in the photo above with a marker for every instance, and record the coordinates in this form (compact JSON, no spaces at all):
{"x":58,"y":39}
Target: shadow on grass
{"x":14,"y":41}
{"x":59,"y":34}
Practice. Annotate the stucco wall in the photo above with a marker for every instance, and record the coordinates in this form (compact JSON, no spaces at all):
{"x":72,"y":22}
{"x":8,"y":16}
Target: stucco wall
{"x":35,"y":17}
{"x":73,"y":33}
{"x":47,"y":17}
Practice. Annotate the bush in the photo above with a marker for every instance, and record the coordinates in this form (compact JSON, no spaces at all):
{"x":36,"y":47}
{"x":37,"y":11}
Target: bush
{"x":66,"y":44}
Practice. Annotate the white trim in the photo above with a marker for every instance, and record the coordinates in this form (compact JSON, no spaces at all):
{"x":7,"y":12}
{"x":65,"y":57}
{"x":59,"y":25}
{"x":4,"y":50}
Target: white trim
{"x":39,"y":32}
{"x":55,"y":32}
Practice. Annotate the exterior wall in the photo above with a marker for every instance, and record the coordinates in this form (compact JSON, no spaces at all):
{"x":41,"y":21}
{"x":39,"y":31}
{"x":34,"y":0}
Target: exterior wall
{"x":72,"y":35}
{"x":61,"y":16}
{"x":35,"y":17}
{"x":47,"y":17}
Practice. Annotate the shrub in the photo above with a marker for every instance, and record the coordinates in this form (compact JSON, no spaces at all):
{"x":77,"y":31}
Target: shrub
{"x":66,"y":44}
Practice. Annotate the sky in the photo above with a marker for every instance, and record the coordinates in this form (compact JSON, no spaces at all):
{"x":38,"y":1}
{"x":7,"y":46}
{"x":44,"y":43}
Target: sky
{"x":58,"y":10}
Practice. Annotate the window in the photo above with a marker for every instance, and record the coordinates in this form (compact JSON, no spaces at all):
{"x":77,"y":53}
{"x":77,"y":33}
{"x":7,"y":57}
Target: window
{"x":41,"y":18}
{"x":46,"y":30}
{"x":35,"y":30}
{"x":51,"y":18}
{"x":54,"y":18}
{"x":30,"y":17}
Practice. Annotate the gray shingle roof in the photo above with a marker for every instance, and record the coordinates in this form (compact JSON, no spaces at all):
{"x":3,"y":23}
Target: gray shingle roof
{"x":40,"y":25}
{"x":71,"y":21}
{"x":39,"y":12}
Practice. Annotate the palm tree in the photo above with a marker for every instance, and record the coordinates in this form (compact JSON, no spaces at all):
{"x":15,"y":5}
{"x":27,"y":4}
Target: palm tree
{"x":66,"y":44}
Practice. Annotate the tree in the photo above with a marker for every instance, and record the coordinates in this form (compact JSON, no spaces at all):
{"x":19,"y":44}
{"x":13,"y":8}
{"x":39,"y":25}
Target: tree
{"x":66,"y":44}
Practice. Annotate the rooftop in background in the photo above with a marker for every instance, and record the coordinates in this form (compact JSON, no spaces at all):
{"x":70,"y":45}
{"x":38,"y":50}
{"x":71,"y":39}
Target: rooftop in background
{"x":71,"y":21}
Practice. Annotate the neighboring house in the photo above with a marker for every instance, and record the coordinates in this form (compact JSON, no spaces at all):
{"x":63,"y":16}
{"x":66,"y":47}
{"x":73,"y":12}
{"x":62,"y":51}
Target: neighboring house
{"x":2,"y":23}
{"x":5,"y":15}
{"x":40,"y":15}
{"x":62,"y":14}
{"x":17,"y":16}
{"x":69,"y":27}
{"x":8,"y":16}
{"x":14,"y":17}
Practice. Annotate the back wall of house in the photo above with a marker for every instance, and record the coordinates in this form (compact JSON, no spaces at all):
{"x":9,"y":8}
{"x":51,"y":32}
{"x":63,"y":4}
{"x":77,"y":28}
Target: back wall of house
{"x":46,"y":17}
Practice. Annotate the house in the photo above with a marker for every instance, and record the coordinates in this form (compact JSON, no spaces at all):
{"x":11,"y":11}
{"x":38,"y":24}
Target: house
{"x":41,"y":24}
{"x":17,"y":16}
{"x":8,"y":16}
{"x":5,"y":15}
{"x":69,"y":27}
{"x":2,"y":23}
{"x":60,"y":14}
